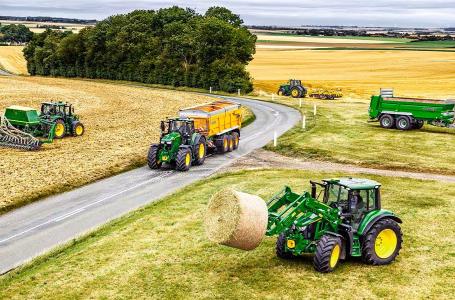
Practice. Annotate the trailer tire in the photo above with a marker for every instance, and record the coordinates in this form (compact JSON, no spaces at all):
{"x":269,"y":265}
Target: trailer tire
{"x":418,"y":124}
{"x":281,"y":248}
{"x":200,"y":151}
{"x":236,"y":137}
{"x":387,"y":121}
{"x":223,"y":144}
{"x":152,"y":157}
{"x":231,"y":143}
{"x":183,"y":159}
{"x":403,"y":123}
{"x":328,"y":253}
{"x":382,"y":243}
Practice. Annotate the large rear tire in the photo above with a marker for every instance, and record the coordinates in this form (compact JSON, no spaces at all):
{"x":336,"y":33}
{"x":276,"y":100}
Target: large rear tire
{"x":223,"y":144}
{"x":200,"y":151}
{"x":297,"y":92}
{"x":60,"y":129}
{"x":382,"y":243}
{"x":281,"y":247}
{"x":328,"y":252}
{"x":183,"y":159}
{"x":152,"y":157}
{"x":387,"y":121}
{"x":404,"y":123}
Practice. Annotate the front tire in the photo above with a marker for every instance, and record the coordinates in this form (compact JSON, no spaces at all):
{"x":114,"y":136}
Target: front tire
{"x":152,"y":157}
{"x":387,"y":121}
{"x":382,"y":243}
{"x":200,"y":151}
{"x":78,"y":128}
{"x":281,"y":248}
{"x":328,"y":252}
{"x":183,"y":160}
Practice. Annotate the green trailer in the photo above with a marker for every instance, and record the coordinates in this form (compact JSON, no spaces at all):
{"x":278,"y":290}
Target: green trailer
{"x":410,"y":113}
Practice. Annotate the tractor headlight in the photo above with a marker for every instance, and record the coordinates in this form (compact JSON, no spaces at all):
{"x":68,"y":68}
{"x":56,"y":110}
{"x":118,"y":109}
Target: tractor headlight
{"x":169,"y":143}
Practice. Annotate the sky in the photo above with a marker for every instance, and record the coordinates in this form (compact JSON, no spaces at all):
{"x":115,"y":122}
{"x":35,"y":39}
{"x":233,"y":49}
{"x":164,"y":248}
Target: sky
{"x":398,"y":13}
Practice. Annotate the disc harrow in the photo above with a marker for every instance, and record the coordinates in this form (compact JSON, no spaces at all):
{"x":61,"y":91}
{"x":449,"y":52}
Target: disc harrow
{"x":12,"y":137}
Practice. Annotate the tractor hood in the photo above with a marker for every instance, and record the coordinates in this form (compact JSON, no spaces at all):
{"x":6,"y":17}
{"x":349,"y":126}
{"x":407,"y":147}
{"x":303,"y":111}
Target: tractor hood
{"x":170,"y":138}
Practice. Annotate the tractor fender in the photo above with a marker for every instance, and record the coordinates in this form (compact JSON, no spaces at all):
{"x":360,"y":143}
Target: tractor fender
{"x":195,"y":140}
{"x":343,"y":243}
{"x":376,"y":219}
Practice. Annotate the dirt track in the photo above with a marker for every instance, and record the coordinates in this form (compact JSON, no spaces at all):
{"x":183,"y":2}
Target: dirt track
{"x":261,"y":159}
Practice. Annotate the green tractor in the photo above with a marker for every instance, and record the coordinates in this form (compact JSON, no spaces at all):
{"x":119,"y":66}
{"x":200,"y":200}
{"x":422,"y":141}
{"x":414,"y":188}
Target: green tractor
{"x":25,"y":128}
{"x":180,"y":145}
{"x":347,"y":222}
{"x":293,"y":88}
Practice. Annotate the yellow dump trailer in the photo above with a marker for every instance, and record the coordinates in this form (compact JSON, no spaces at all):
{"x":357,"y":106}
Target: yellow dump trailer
{"x":197,"y":131}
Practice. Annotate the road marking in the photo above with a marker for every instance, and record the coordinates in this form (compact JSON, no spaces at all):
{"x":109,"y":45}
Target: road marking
{"x":76,"y":211}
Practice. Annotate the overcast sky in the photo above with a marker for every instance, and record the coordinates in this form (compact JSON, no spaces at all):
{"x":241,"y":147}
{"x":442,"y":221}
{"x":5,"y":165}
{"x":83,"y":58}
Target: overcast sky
{"x":417,"y":13}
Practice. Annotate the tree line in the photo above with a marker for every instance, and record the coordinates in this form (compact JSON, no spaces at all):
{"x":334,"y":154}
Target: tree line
{"x":15,"y":34}
{"x":171,"y":46}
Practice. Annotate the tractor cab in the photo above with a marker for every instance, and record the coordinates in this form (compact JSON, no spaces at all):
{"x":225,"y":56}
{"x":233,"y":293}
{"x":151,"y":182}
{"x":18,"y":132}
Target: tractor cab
{"x":185,"y":127}
{"x":62,"y":109}
{"x":353,"y":197}
{"x":295,"y":82}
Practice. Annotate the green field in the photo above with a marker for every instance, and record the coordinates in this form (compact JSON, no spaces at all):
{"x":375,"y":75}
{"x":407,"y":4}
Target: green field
{"x":161,"y":252}
{"x":341,"y":133}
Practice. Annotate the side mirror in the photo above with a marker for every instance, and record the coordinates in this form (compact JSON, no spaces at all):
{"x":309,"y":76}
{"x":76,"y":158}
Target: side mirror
{"x":163,"y":127}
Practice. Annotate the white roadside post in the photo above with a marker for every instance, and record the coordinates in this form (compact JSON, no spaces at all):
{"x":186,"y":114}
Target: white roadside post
{"x":238,"y":92}
{"x":300,"y":102}
{"x":304,"y":122}
{"x":314,"y":109}
{"x":275,"y":139}
{"x":273,"y":97}
{"x":210,"y":90}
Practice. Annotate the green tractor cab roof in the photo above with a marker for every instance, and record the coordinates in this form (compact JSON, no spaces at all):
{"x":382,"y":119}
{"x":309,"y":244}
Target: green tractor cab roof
{"x":60,"y":103}
{"x":353,"y":183}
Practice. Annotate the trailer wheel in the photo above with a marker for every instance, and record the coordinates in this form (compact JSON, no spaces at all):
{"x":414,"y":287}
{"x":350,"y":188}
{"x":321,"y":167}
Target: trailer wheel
{"x":281,"y":247}
{"x":231,"y":143}
{"x":328,"y":252}
{"x":387,"y":121}
{"x":152,"y":157}
{"x":403,"y":123}
{"x":183,"y":159}
{"x":223,"y":145}
{"x":236,"y":137}
{"x":382,"y":243}
{"x":418,"y":124}
{"x":200,"y":151}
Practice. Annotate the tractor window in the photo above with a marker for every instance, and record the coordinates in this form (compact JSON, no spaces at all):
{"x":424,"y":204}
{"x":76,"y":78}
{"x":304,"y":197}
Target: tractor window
{"x":336,"y":193}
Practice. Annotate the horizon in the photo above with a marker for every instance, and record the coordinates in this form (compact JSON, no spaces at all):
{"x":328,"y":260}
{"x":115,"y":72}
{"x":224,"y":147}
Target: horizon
{"x":383,"y":13}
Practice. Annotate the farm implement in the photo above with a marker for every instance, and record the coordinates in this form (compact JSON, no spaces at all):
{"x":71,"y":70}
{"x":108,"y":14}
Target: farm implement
{"x":197,"y":131}
{"x":293,"y":88}
{"x":26,"y":128}
{"x":347,"y":222}
{"x":326,"y":94}
{"x":410,"y":113}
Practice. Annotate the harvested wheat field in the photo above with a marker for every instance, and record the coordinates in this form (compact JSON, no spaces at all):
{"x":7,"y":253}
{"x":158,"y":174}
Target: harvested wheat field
{"x":12,"y":60}
{"x":120,"y":121}
{"x":360,"y":73}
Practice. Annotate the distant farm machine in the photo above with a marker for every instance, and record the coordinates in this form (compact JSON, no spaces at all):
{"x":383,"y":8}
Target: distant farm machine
{"x":326,"y":94}
{"x":199,"y":130}
{"x":293,"y":88}
{"x":26,"y":128}
{"x":410,"y":113}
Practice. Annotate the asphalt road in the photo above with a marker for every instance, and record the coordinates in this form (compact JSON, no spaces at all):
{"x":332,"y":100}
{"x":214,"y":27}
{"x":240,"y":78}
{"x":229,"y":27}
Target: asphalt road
{"x":35,"y":229}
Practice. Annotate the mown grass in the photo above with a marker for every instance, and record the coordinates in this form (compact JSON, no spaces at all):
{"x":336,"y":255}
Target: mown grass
{"x":340,"y":132}
{"x":161,"y":252}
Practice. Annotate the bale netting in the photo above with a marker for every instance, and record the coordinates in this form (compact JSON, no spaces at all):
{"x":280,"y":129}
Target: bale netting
{"x":236,"y":219}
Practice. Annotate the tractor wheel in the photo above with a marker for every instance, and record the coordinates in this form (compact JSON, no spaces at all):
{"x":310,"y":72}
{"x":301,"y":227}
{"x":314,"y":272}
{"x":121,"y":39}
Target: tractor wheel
{"x":152,"y":157}
{"x":418,"y":124}
{"x":328,"y":251}
{"x":296,"y":92}
{"x":382,"y":243}
{"x":231,"y":143}
{"x":60,"y":129}
{"x":200,"y":151}
{"x":223,"y":146}
{"x":281,"y":247}
{"x":387,"y":121}
{"x":236,"y":137}
{"x":183,"y":160}
{"x":281,"y":92}
{"x":403,"y":123}
{"x":78,"y":129}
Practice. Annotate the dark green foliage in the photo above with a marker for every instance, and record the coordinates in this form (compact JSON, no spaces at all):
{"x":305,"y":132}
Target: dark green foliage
{"x":172,"y":46}
{"x":16,"y":34}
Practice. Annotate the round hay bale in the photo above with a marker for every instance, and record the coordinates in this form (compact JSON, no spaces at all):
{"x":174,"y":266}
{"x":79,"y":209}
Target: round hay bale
{"x":236,"y":219}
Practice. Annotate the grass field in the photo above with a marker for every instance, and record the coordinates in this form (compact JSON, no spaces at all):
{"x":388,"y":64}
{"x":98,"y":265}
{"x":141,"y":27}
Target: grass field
{"x":12,"y":60}
{"x":341,"y":132}
{"x":120,"y":121}
{"x":161,"y":252}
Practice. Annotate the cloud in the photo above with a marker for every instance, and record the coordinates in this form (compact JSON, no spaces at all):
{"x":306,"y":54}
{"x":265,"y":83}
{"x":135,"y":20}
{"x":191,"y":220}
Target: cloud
{"x":416,"y":13}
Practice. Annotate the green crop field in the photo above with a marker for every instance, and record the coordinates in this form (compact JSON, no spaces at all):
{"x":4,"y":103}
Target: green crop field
{"x":341,"y":133}
{"x":161,"y":252}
